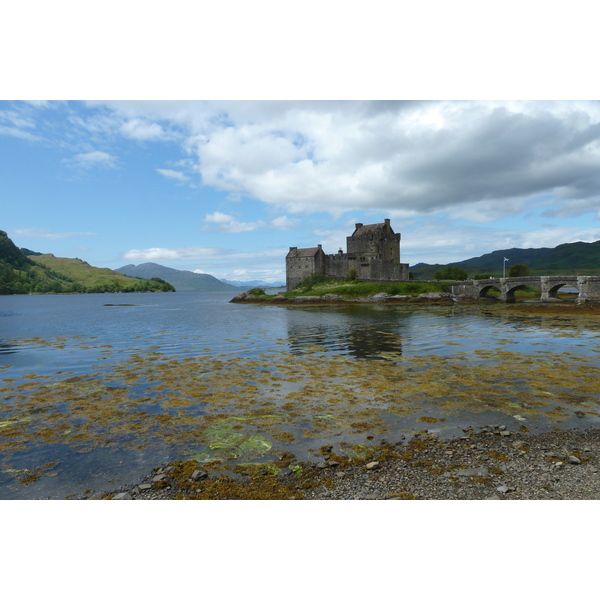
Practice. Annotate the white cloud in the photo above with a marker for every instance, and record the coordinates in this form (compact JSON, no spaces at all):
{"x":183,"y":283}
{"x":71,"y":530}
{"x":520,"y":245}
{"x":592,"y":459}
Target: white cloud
{"x":416,"y":157}
{"x":41,"y":233}
{"x":17,"y":119}
{"x":260,"y":254}
{"x":142,"y":130}
{"x":284,"y":223}
{"x":88,"y":160}
{"x":440,"y":241}
{"x":229,"y":224}
{"x":19,"y":133}
{"x":266,"y":275}
{"x":189,"y":253}
{"x":170,"y":174}
{"x":17,"y":124}
{"x":473,"y":161}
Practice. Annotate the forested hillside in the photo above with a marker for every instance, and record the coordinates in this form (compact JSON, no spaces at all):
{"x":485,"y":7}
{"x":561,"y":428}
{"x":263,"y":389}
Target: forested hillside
{"x":581,"y":258}
{"x":28,"y":272}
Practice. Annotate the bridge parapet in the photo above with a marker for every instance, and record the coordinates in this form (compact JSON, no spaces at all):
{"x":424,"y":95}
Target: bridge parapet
{"x":587,"y":285}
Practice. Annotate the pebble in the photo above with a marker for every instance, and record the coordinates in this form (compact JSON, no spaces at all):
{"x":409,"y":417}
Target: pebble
{"x":574,"y":460}
{"x":199,"y":475}
{"x":533,"y":475}
{"x":122,"y":496}
{"x":479,"y":472}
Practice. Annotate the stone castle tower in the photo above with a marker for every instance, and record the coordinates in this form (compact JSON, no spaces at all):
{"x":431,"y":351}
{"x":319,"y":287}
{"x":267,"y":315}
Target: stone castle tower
{"x":373,"y":254}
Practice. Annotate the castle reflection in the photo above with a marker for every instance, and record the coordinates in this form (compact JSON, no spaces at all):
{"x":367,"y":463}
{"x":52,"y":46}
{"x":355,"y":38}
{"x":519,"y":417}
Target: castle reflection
{"x":343,"y":331}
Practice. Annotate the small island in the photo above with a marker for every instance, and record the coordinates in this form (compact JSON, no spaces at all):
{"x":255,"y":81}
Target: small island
{"x":319,"y":289}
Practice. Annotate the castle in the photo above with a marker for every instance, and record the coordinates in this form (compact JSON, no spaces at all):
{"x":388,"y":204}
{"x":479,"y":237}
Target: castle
{"x":373,"y":254}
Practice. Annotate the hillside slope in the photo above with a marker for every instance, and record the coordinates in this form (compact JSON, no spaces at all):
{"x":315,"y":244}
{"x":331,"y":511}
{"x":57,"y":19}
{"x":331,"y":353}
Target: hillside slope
{"x":565,"y":259}
{"x":97,"y":279}
{"x":182,"y":281}
{"x":33,"y":273}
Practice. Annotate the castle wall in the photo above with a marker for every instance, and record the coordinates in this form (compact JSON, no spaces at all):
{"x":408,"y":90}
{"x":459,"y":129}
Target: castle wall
{"x":339,"y":265}
{"x":377,"y":241}
{"x":300,"y":264}
{"x":373,"y":253}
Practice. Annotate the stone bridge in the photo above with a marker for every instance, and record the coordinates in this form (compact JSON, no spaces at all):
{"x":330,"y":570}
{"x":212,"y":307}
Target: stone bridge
{"x":587,"y":286}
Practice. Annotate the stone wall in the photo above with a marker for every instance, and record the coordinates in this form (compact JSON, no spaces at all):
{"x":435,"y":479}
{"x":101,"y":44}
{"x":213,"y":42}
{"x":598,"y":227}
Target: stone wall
{"x":587,"y":285}
{"x":304,"y":262}
{"x":373,"y":255}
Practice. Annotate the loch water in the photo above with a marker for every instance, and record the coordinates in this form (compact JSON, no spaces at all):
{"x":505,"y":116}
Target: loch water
{"x":97,"y":389}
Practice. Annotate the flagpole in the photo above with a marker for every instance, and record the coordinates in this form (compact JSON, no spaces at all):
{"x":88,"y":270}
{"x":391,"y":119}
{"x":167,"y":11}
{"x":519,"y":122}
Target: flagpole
{"x":504,"y":267}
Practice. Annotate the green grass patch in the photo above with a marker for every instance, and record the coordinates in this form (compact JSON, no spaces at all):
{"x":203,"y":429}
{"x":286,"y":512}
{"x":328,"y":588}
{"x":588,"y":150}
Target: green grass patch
{"x":319,"y":286}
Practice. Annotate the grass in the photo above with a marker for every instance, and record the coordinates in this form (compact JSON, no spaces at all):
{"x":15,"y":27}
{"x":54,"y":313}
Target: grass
{"x":357,"y":288}
{"x":81,"y":271}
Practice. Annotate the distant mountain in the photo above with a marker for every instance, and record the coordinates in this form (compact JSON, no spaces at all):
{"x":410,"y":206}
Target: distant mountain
{"x":254,"y":283}
{"x":182,"y":281}
{"x":23,"y":271}
{"x":565,"y":259}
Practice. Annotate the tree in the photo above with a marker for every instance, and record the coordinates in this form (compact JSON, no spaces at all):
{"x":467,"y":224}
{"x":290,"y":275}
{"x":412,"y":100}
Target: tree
{"x":452,"y":272}
{"x":519,"y":271}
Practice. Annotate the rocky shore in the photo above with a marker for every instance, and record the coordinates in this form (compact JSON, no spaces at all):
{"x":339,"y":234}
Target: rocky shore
{"x":247,"y":297}
{"x":491,"y":463}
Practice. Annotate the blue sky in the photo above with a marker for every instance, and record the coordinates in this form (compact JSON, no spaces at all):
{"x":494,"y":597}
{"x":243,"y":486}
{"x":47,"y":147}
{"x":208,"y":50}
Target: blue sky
{"x":226,"y":187}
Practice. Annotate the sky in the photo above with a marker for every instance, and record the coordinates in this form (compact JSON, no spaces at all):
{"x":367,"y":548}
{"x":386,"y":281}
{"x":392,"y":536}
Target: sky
{"x":226,"y":187}
{"x":324,"y":125}
{"x":471,"y":125}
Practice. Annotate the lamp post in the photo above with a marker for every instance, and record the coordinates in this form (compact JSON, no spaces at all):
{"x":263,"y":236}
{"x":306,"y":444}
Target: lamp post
{"x":504,"y":267}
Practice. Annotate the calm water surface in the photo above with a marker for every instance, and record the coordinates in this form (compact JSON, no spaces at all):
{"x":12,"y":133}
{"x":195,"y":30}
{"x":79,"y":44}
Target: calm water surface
{"x":93,"y":396}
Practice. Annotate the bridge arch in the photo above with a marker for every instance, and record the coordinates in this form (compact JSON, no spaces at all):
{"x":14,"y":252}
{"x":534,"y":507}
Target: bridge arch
{"x":553,"y":288}
{"x":510,"y":288}
{"x":484,"y":290}
{"x":588,"y":287}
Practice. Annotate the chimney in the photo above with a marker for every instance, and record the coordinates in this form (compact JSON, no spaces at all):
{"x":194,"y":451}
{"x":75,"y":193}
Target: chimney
{"x":359,"y":225}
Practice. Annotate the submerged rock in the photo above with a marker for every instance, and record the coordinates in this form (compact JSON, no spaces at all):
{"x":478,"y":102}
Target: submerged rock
{"x":199,"y":475}
{"x":122,"y":496}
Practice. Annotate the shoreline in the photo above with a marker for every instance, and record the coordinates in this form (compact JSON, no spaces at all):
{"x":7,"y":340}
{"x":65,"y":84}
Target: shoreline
{"x":492,"y":463}
{"x":432,"y":299}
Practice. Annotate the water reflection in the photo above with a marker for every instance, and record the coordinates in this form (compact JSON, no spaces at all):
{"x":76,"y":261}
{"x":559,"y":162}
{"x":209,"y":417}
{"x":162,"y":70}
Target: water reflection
{"x":359,"y":332}
{"x":101,"y":397}
{"x":7,"y":347}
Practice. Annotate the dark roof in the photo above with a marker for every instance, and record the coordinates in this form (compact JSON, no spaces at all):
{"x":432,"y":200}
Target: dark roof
{"x":303,"y":252}
{"x":366,"y":228}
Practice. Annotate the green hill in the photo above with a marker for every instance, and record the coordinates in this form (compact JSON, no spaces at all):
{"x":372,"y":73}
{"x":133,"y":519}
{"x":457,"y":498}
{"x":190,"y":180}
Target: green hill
{"x":33,"y":273}
{"x":581,"y":258}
